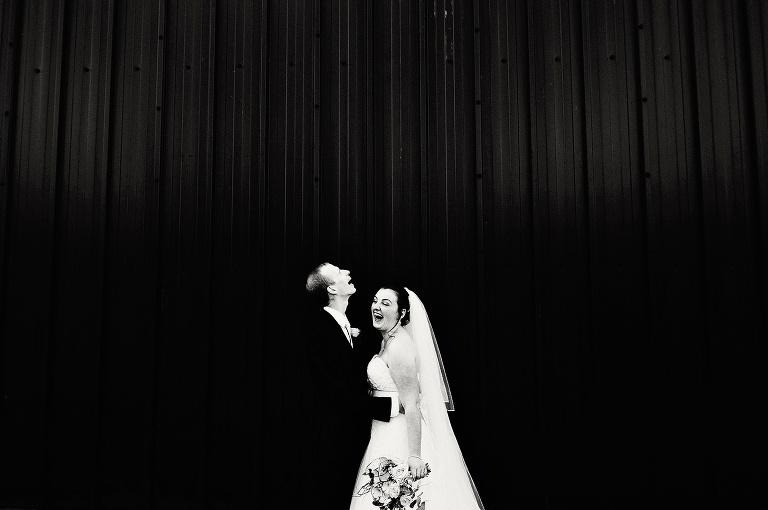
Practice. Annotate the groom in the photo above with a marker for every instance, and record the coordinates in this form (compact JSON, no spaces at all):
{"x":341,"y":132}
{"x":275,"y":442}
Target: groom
{"x":338,"y":377}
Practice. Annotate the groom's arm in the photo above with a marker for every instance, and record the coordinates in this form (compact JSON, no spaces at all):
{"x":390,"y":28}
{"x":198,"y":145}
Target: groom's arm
{"x":365,"y":348}
{"x":336,"y":394}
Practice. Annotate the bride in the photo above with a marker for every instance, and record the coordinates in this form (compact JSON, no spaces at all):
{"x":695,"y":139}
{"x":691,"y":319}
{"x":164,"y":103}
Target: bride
{"x":409,"y":366}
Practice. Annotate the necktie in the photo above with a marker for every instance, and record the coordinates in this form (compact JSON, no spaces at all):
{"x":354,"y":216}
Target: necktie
{"x":349,"y":334}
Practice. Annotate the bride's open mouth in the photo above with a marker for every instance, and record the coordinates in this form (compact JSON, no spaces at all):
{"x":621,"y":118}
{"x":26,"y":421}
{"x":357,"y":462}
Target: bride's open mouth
{"x":377,"y":317}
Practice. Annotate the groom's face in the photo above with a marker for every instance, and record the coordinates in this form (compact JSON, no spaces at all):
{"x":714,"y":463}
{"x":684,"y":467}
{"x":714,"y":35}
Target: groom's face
{"x":341,"y":280}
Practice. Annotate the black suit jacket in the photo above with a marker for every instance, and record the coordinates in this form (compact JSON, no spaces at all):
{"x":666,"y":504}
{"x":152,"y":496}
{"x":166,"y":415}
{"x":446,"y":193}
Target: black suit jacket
{"x":344,"y":408}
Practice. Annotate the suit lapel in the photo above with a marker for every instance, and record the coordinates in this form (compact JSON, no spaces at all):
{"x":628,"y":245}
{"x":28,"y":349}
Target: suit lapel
{"x":337,"y":330}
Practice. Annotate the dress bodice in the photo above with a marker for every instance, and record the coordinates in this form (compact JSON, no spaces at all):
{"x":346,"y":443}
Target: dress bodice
{"x":379,"y":376}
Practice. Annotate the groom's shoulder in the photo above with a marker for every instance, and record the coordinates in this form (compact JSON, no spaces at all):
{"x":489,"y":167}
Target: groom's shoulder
{"x":313,"y":325}
{"x":317,"y":319}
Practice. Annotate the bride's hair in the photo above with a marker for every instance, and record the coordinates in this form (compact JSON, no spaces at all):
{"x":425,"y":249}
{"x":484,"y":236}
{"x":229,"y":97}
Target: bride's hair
{"x":403,"y":303}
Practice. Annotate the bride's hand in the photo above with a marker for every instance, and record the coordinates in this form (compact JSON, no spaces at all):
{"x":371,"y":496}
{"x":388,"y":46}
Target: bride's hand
{"x":417,"y":467}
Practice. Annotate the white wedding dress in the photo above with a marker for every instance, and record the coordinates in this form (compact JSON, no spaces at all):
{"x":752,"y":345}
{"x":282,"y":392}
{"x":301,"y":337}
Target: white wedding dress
{"x":449,"y":485}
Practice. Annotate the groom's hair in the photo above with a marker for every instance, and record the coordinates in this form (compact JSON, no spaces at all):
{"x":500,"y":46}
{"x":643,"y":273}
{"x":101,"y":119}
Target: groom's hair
{"x":317,"y":285}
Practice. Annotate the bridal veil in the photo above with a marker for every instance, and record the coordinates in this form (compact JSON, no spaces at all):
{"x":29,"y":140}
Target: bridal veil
{"x":436,"y":400}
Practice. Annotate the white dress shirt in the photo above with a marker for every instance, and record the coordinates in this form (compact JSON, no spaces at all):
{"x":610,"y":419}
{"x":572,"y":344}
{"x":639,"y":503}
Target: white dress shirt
{"x":343,"y":322}
{"x":347,"y":329}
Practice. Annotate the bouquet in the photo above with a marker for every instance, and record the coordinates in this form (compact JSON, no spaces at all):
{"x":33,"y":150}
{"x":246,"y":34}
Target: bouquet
{"x":391,"y":485}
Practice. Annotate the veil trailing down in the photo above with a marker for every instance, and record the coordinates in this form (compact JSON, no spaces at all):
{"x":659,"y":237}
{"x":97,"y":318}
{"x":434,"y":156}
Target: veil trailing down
{"x":436,"y":398}
{"x":449,"y":486}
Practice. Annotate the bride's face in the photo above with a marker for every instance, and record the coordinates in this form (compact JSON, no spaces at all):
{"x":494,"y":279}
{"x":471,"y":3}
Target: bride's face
{"x":384,"y":310}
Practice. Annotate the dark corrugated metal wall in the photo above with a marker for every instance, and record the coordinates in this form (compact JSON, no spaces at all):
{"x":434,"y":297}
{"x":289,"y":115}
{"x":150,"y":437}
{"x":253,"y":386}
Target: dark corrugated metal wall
{"x":577,"y":189}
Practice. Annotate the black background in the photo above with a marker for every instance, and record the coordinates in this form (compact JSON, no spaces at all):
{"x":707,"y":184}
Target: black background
{"x":576,"y":189}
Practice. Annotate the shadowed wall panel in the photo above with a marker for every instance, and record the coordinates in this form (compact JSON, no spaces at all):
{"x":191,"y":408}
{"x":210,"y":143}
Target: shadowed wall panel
{"x":290,"y":204}
{"x":8,"y":83}
{"x":734,"y":318}
{"x":619,"y":390}
{"x":184,"y":328}
{"x":450,"y":279}
{"x":576,"y":188}
{"x":127,"y":396}
{"x":29,"y":278}
{"x":757,"y":18}
{"x":505,"y":95}
{"x":238,"y":254}
{"x":673,"y":234}
{"x":559,"y":237}
{"x":79,"y":253}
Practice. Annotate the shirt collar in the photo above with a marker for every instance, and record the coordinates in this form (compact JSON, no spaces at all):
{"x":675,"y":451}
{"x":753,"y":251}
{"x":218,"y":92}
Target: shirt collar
{"x":338,"y":316}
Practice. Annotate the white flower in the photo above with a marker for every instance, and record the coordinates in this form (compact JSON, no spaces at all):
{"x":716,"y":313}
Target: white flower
{"x":380,"y":496}
{"x":400,"y":472}
{"x":405,"y":500}
{"x":391,"y":489}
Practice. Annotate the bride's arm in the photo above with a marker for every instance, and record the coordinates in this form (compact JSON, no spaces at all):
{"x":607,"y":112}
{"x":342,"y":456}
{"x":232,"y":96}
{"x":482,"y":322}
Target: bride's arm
{"x":402,"y":366}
